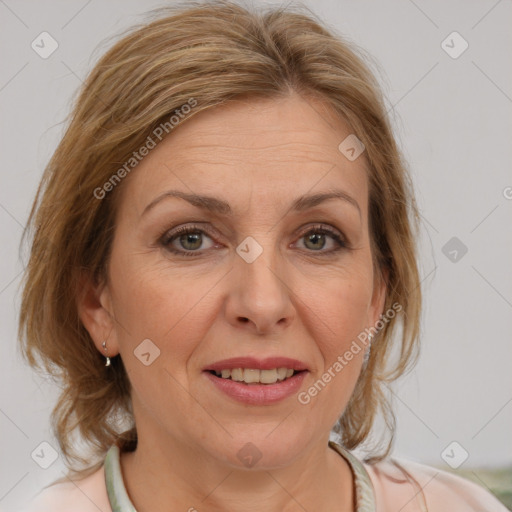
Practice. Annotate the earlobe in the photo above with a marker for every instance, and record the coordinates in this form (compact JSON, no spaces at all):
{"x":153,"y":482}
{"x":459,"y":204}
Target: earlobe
{"x":93,"y":304}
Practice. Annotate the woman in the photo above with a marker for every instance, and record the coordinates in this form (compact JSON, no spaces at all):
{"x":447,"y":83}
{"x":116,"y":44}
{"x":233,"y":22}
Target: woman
{"x":224,"y":249}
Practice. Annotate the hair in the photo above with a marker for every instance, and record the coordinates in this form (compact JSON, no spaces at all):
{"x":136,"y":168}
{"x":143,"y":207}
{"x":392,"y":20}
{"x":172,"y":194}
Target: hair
{"x":213,"y":52}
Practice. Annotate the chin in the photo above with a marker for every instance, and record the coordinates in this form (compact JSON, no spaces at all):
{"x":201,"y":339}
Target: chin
{"x":261,"y":449}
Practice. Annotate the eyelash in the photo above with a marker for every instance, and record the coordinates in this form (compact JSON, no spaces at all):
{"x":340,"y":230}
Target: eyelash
{"x":167,"y":238}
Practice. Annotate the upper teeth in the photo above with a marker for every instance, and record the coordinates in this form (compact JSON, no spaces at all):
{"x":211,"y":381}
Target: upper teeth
{"x":249,"y":375}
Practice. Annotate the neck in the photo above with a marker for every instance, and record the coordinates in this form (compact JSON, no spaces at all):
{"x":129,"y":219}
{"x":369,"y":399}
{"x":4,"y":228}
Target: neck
{"x":180,"y":477}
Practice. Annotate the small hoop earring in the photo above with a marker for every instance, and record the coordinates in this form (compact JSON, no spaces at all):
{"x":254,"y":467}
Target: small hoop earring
{"x":104,"y":345}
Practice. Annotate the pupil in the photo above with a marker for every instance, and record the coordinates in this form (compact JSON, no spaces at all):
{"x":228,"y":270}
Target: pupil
{"x":316,"y":238}
{"x":191,"y":236}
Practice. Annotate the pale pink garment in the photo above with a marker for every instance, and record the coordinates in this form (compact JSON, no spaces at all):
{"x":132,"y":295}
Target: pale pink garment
{"x":393,"y":490}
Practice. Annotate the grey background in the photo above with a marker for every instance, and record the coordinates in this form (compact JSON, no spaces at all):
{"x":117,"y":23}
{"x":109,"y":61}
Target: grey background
{"x":453,"y":120}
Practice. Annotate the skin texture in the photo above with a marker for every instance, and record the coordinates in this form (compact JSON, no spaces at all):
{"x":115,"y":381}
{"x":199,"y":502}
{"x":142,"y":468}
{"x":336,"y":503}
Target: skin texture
{"x":294,"y":300}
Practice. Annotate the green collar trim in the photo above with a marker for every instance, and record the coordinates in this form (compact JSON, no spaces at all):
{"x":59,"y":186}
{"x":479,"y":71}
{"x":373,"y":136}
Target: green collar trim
{"x":117,"y":495}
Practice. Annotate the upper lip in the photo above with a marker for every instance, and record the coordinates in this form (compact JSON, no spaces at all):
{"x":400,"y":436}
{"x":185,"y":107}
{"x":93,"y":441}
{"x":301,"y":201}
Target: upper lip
{"x":268,"y":363}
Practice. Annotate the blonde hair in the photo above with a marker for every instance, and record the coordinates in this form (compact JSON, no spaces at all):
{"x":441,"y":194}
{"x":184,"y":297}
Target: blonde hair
{"x":214,"y":52}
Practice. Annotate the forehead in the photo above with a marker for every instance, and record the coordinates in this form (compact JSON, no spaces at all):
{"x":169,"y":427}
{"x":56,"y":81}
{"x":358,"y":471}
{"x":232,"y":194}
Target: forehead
{"x":266,"y":149}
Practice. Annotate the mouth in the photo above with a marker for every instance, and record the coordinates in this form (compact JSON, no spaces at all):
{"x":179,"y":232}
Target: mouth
{"x":257,"y":382}
{"x":253,"y":376}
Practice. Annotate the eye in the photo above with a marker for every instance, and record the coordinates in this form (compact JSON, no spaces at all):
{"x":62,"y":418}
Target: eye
{"x":316,"y":238}
{"x":185,"y":240}
{"x":189,"y":240}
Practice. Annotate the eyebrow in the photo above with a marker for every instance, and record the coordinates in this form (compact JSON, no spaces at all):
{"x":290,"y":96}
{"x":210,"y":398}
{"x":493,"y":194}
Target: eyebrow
{"x":216,"y":205}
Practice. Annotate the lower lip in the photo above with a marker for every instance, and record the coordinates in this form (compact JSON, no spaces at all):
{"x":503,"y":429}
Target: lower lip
{"x":258,"y":394}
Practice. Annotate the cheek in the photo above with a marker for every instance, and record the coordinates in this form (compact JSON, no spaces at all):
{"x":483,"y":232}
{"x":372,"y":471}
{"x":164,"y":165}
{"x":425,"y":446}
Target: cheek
{"x":336,"y":309}
{"x":167,"y":309}
{"x":164,"y":306}
{"x":340,"y":315}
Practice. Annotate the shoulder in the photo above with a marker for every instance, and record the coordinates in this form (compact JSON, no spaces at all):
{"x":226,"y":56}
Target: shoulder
{"x":86,"y":495}
{"x":409,"y":486}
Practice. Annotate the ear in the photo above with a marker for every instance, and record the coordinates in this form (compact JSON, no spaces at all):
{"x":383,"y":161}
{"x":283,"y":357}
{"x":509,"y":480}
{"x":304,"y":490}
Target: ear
{"x":94,"y":304}
{"x":379,"y":296}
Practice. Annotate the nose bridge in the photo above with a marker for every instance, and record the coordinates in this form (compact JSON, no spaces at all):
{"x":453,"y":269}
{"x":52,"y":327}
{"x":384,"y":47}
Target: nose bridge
{"x":261,"y":295}
{"x":258,"y":262}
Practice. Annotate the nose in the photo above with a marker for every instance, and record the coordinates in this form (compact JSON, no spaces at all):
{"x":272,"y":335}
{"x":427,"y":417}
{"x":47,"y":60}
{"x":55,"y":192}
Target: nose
{"x":259,"y":297}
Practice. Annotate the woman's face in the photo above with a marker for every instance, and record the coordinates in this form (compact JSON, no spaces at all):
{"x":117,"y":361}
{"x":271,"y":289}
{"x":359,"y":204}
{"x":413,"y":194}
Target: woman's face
{"x":259,"y":275}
